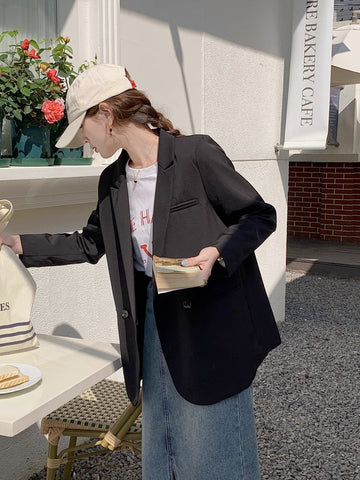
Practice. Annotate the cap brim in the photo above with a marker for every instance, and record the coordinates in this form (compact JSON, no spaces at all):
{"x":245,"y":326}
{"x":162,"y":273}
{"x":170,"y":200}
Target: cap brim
{"x":72,"y":136}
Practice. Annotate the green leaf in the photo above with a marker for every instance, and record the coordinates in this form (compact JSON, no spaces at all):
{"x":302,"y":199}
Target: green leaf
{"x":62,"y":73}
{"x":20,"y":82}
{"x":11,"y":33}
{"x":39,"y":52}
{"x":58,"y":49}
{"x":17,"y":114}
{"x":34,"y":44}
{"x":27,"y":109}
{"x":25,"y":91}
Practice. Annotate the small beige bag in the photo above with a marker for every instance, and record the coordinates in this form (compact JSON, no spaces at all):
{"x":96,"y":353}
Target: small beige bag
{"x":17,"y":293}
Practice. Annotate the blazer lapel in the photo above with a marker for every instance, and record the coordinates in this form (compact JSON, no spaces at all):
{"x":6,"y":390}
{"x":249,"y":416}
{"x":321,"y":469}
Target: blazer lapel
{"x":120,"y":206}
{"x":164,"y":187}
{"x":162,"y":202}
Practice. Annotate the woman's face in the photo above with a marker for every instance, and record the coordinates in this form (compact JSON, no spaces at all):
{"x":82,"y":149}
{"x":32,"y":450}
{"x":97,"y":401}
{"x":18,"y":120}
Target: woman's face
{"x":96,"y":132}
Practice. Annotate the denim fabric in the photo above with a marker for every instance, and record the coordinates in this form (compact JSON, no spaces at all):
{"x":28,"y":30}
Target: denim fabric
{"x":192,"y":442}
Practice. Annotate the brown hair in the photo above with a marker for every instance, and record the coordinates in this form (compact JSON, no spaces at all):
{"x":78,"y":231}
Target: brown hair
{"x":134,"y":106}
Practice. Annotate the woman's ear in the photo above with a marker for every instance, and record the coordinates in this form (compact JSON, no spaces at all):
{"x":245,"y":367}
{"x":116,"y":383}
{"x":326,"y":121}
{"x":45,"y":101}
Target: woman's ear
{"x":106,"y":110}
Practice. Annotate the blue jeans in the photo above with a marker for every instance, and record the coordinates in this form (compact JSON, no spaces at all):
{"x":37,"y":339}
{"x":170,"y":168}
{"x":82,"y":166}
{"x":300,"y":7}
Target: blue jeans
{"x":192,"y":442}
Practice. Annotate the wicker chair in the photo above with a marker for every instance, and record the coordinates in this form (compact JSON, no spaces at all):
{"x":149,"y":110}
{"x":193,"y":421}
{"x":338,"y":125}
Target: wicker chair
{"x":103,"y":414}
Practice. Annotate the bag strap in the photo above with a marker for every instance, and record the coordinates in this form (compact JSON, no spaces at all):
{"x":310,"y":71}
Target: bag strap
{"x":6,"y":212}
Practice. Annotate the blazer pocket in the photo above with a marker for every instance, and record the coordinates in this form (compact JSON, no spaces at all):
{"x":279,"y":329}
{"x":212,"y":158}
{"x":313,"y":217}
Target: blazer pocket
{"x":183,"y":205}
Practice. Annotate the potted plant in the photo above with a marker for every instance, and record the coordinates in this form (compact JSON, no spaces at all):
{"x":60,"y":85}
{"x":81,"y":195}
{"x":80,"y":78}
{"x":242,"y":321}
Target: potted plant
{"x":32,"y":94}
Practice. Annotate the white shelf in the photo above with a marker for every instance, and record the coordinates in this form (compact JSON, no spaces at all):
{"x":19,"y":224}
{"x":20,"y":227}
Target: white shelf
{"x":40,"y":187}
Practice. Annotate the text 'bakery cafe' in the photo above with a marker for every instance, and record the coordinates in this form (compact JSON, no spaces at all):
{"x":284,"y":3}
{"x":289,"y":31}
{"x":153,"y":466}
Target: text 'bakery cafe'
{"x":307,"y":109}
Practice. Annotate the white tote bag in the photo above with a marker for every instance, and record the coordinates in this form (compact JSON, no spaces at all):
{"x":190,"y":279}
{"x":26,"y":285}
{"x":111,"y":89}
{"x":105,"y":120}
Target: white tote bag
{"x":17,"y":293}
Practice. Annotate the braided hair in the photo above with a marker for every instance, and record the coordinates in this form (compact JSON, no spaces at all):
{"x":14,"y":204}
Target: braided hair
{"x":134,"y":106}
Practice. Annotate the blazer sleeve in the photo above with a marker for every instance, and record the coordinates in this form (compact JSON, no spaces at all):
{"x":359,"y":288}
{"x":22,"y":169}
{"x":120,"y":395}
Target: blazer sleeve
{"x":62,"y":249}
{"x":248,"y":219}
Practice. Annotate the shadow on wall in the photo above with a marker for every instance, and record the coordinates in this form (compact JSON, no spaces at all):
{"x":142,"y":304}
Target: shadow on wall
{"x":180,"y":59}
{"x":241,"y":23}
{"x":234,"y":23}
{"x":66,"y":330}
{"x":223,"y":21}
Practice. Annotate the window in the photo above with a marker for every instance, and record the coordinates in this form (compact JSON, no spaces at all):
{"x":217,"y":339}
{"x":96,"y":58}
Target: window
{"x":33,"y":18}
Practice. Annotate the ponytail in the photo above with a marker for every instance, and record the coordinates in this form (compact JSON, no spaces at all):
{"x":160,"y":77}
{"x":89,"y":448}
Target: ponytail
{"x":134,"y":106}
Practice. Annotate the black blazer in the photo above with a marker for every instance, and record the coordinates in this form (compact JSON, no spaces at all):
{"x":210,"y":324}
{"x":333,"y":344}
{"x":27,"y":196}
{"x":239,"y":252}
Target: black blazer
{"x":213,"y":337}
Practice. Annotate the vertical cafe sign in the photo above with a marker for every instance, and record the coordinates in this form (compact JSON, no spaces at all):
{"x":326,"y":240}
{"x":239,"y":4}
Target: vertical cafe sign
{"x":309,"y":80}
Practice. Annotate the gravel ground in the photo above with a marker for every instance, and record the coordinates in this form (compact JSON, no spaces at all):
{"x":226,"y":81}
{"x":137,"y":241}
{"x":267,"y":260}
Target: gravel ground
{"x":306,"y":392}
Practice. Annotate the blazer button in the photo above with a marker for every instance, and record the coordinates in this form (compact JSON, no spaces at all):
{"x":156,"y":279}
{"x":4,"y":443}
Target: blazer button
{"x":124,"y":314}
{"x":187,"y":304}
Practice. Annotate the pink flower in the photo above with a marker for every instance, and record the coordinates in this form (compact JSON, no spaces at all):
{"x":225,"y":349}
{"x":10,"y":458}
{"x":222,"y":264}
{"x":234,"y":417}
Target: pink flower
{"x":32,"y":54}
{"x":51,"y":73}
{"x":53,"y":110}
{"x":25,"y":44}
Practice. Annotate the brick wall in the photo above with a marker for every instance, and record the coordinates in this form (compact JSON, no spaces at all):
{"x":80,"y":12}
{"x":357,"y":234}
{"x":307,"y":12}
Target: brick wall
{"x":324,"y":201}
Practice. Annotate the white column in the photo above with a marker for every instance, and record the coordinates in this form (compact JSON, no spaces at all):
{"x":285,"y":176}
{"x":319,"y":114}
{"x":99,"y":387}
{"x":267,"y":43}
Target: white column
{"x":93,"y":27}
{"x":109,"y":25}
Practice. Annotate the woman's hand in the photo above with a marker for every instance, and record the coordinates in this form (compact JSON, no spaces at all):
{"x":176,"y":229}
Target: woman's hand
{"x":206,"y":259}
{"x":12,"y":241}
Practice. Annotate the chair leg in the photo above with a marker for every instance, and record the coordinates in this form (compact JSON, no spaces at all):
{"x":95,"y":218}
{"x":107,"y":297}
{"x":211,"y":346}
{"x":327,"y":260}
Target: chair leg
{"x":52,"y":454}
{"x":70,"y":459}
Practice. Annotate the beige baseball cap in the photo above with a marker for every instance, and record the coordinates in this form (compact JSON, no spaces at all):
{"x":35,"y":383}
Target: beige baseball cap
{"x":91,"y":87}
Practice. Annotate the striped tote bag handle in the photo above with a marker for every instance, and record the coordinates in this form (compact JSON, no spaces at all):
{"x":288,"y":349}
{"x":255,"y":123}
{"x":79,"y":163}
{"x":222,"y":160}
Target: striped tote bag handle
{"x":6,"y":212}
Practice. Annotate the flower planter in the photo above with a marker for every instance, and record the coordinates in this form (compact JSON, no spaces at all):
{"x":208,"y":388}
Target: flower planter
{"x":4,"y":162}
{"x":66,"y":156}
{"x":31,"y":145}
{"x":31,"y":162}
{"x":33,"y":93}
{"x":72,"y":160}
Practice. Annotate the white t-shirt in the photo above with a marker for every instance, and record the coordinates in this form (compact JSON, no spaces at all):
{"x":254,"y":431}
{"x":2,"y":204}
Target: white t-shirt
{"x":141,"y":183}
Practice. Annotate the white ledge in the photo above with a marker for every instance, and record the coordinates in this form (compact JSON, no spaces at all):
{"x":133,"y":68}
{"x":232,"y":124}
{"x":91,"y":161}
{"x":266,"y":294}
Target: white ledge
{"x":40,"y":187}
{"x":54,"y":171}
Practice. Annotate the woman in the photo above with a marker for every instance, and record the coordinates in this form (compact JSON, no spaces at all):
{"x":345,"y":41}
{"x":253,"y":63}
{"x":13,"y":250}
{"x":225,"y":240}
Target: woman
{"x":196,"y":350}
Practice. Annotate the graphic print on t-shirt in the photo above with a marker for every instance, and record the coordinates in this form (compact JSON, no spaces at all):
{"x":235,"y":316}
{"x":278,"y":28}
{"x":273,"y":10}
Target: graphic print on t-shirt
{"x":141,"y":230}
{"x":141,"y":190}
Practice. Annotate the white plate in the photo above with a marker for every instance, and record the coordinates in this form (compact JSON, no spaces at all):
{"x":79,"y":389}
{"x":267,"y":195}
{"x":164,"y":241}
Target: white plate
{"x":32,"y":372}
